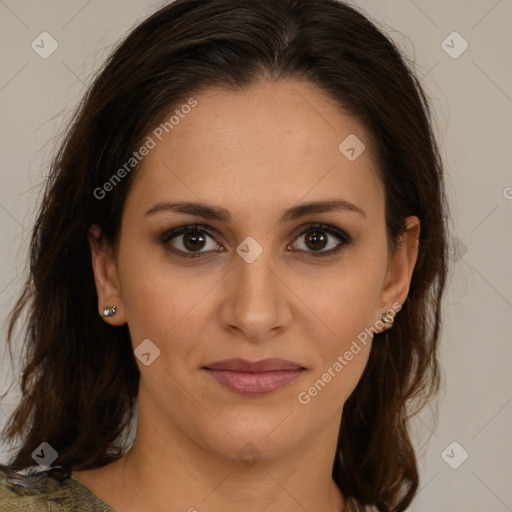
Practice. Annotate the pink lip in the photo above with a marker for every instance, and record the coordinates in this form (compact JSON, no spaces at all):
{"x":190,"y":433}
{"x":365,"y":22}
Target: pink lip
{"x":254,"y":378}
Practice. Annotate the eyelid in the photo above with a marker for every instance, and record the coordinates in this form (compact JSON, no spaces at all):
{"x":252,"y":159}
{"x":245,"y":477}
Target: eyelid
{"x":342,"y":236}
{"x":171,"y":233}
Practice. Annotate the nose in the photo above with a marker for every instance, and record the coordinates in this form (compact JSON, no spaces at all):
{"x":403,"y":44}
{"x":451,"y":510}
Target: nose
{"x":255,"y":300}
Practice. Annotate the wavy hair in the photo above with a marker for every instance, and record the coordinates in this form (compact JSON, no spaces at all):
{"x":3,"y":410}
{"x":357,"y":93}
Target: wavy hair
{"x":80,"y":379}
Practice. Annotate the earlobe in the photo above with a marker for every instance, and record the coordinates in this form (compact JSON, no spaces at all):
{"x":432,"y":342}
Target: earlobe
{"x":110,"y":304}
{"x":401,"y":267}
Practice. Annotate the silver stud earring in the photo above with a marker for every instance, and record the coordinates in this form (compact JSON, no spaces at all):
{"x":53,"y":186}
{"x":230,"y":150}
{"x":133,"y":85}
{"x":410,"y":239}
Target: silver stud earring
{"x":111,"y":311}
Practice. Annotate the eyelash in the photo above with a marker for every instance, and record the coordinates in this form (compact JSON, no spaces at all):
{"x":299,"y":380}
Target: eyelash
{"x":344,"y":239}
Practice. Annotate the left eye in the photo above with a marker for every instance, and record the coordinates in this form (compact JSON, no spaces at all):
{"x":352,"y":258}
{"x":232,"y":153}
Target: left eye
{"x":321,"y":239}
{"x":316,"y":238}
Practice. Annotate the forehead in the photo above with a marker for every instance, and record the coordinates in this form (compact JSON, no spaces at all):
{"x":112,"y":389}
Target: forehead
{"x":270,"y":144}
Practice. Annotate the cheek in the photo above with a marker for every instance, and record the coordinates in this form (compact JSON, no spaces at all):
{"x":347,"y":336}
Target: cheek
{"x":143,"y":277}
{"x":342,"y":341}
{"x":161,"y":304}
{"x":345,"y":303}
{"x":166,"y":304}
{"x":346,"y":316}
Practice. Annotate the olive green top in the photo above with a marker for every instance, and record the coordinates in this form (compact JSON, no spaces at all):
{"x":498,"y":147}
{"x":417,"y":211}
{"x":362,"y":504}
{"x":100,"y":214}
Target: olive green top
{"x":54,"y":490}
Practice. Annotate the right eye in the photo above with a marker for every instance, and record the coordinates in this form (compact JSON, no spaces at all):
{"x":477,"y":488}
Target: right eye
{"x":190,"y":240}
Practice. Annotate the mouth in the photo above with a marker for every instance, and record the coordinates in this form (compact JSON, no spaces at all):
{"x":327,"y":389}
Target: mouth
{"x":254,"y":378}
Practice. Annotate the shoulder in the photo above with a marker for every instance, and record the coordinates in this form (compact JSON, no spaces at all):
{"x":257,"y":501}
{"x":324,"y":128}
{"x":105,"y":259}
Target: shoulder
{"x":30,"y":491}
{"x":52,"y":489}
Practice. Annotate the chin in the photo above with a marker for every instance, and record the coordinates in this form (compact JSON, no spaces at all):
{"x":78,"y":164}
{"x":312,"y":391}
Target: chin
{"x":250,"y":434}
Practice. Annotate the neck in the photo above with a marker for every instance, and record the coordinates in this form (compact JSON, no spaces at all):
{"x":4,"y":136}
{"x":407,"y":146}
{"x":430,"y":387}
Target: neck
{"x":167,"y":467}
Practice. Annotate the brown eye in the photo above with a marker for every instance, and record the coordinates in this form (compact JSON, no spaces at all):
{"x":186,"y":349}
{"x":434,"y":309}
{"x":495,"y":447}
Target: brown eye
{"x":194,"y":241}
{"x":189,"y":241}
{"x":318,"y":237}
{"x":316,"y":240}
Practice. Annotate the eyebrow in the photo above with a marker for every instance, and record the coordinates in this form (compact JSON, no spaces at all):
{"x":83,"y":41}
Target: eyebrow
{"x":209,"y":211}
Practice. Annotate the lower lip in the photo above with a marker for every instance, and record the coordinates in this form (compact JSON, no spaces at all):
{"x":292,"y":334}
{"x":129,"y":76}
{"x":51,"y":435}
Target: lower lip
{"x":249,"y":383}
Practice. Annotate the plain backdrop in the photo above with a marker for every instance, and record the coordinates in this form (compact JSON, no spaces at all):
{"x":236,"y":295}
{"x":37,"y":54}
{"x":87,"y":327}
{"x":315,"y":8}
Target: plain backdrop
{"x":467,"y":463}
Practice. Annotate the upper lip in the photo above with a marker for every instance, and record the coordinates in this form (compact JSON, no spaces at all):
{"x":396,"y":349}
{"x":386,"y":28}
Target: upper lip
{"x":263,"y":365}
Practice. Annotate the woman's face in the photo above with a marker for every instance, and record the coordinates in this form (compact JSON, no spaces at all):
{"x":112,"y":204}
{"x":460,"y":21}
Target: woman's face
{"x":261,"y":283}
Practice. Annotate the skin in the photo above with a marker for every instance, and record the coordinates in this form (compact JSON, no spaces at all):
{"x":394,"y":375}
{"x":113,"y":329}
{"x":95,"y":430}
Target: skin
{"x":255,"y":153}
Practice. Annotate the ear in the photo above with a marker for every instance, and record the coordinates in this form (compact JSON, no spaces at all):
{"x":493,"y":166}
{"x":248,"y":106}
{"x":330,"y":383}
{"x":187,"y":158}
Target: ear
{"x":106,"y":277}
{"x":400,"y":268}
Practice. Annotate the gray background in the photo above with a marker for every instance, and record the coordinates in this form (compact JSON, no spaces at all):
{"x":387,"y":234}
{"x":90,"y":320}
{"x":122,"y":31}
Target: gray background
{"x":472,"y":98}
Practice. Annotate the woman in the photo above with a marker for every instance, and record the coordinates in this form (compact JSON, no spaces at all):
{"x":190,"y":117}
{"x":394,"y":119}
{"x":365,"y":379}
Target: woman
{"x":248,"y":195}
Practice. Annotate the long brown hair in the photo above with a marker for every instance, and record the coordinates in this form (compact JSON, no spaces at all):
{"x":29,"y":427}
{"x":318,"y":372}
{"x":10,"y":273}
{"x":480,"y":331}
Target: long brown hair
{"x":80,"y":379}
